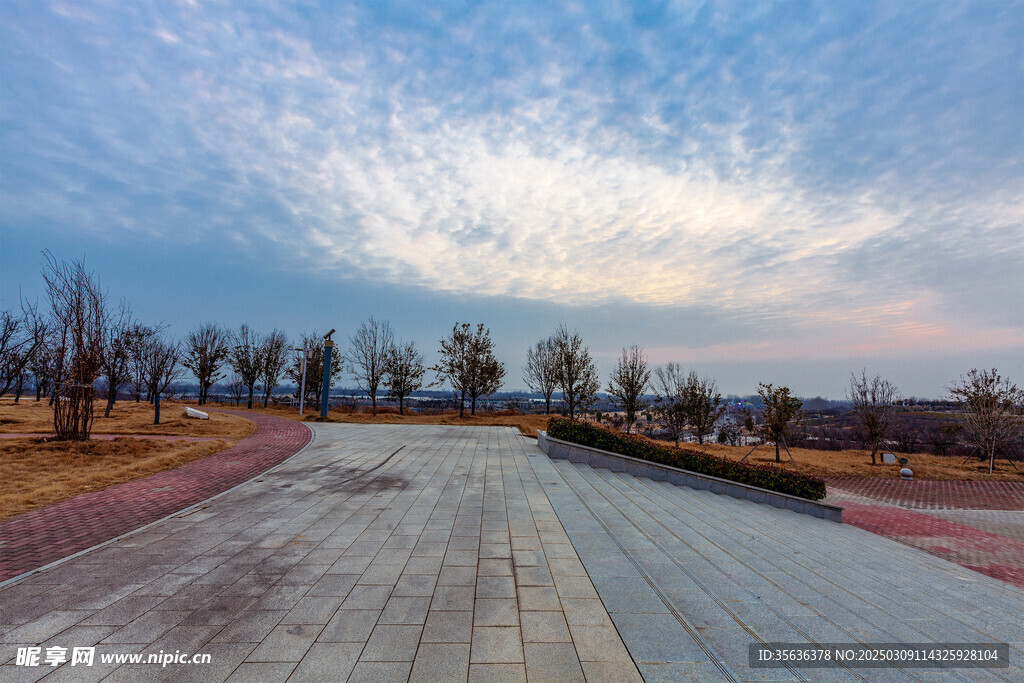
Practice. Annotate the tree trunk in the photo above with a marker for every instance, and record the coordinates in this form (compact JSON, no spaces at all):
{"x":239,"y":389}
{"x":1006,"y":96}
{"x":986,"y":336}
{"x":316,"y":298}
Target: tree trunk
{"x":873,"y":451}
{"x":777,"y":457}
{"x":547,"y":405}
{"x":373,"y":403}
{"x":156,"y":409}
{"x":249,"y":405}
{"x":110,"y":404}
{"x":462,"y":405}
{"x":17,"y":389}
{"x":472,"y":405}
{"x":401,"y":406}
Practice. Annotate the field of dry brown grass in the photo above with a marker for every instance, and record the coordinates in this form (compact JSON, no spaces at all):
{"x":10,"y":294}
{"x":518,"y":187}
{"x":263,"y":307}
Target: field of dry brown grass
{"x":858,"y":464}
{"x":127,"y":417}
{"x":35,"y":472}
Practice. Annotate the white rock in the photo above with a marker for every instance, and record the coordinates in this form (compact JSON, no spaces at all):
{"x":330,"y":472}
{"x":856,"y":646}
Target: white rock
{"x":905,"y":473}
{"x":198,"y":414}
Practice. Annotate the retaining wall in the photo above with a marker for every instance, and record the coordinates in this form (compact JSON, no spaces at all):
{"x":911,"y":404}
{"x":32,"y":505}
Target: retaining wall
{"x":556,"y":448}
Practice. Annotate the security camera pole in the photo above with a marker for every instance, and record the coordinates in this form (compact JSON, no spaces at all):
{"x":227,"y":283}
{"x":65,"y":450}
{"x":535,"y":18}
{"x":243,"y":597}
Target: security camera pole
{"x":328,"y":345}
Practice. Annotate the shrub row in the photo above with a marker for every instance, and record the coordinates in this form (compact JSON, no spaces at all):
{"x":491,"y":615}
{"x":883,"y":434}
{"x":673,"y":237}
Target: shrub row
{"x":773,"y":479}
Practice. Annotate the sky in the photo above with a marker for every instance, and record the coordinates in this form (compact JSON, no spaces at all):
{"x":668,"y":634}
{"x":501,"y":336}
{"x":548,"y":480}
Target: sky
{"x":781,"y":192}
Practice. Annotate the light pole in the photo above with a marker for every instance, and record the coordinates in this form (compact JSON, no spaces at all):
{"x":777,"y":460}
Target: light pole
{"x":328,"y":345}
{"x":302,"y":389}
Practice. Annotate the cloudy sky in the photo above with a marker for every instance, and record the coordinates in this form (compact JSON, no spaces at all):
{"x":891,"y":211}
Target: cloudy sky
{"x":781,"y":192}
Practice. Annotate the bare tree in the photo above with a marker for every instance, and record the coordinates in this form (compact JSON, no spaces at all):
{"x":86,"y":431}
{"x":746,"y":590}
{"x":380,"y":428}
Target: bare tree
{"x":874,"y":402}
{"x":454,"y":364}
{"x":991,"y":406}
{"x":116,"y":364}
{"x":486,"y":372}
{"x":22,"y":347}
{"x":245,"y":358}
{"x":274,"y":353}
{"x":541,"y":371}
{"x":79,"y":314}
{"x":140,"y":337}
{"x":628,"y":383}
{"x":702,"y":404}
{"x":160,"y":369}
{"x":468,"y":364}
{"x":781,"y":413}
{"x":368,"y":356}
{"x":670,"y":398}
{"x":577,"y":372}
{"x":314,"y":341}
{"x":236,"y":389}
{"x":404,"y":373}
{"x":206,"y":350}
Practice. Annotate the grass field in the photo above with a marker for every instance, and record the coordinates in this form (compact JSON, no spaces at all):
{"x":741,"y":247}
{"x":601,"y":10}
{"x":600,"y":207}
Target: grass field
{"x":35,"y":472}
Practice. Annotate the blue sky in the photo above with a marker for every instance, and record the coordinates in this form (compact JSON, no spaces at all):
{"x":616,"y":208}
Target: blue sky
{"x":781,"y":192}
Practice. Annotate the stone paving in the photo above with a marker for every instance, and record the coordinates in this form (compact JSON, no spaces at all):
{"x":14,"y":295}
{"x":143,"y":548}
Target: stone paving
{"x":393,"y":552}
{"x":379,"y":553}
{"x":37,"y":538}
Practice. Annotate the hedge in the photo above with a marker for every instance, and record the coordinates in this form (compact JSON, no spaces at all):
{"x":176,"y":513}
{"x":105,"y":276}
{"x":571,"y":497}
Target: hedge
{"x":771,"y":478}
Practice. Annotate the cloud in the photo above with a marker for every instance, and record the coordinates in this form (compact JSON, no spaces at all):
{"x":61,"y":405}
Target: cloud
{"x":853,"y":171}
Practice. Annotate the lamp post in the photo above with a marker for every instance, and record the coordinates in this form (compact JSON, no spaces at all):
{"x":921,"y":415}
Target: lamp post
{"x":328,"y":345}
{"x":302,"y":389}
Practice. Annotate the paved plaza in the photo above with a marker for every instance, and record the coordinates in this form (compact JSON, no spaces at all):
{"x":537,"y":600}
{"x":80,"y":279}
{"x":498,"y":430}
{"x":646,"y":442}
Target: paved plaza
{"x":396,"y":552}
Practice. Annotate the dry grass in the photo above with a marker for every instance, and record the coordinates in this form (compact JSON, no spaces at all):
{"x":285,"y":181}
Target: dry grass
{"x":527,"y":424}
{"x":127,"y":417}
{"x":858,"y":464}
{"x":35,"y":472}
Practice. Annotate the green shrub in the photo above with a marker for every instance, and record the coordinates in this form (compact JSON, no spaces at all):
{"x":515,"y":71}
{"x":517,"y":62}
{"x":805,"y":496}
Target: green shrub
{"x":770,"y":478}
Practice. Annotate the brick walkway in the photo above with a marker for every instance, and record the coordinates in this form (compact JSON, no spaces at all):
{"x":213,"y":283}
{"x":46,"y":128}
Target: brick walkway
{"x":48,"y":534}
{"x":936,"y":495}
{"x":977,"y":524}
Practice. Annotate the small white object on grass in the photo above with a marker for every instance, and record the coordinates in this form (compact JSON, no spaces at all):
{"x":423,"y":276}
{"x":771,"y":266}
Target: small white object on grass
{"x":198,"y":414}
{"x":905,"y":473}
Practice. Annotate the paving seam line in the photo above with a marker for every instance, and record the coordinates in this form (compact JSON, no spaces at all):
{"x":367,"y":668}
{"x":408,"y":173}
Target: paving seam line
{"x":649,"y":491}
{"x":190,"y":508}
{"x":711,"y":654}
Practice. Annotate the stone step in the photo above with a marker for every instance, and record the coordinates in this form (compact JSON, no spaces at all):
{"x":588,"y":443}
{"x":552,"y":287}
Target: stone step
{"x":738,"y":570}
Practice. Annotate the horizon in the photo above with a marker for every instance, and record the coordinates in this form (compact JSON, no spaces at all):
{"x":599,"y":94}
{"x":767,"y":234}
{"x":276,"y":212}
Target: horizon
{"x":775,"y":193}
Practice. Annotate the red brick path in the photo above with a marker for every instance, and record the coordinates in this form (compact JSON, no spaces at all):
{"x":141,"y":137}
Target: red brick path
{"x":937,"y":495}
{"x":48,"y":534}
{"x":899,"y":514}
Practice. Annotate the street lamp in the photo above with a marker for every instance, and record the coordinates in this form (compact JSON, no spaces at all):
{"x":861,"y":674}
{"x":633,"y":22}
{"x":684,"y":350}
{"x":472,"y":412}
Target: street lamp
{"x":302,"y":390}
{"x":328,"y":344}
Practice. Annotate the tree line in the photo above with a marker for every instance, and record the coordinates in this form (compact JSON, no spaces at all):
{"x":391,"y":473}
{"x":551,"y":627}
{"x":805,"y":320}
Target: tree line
{"x":83,"y":340}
